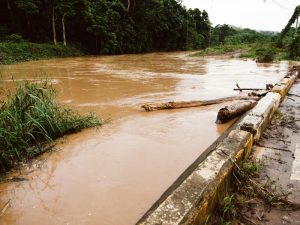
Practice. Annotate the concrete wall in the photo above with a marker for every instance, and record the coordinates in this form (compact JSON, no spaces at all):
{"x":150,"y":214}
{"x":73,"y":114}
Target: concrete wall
{"x":258,"y":118}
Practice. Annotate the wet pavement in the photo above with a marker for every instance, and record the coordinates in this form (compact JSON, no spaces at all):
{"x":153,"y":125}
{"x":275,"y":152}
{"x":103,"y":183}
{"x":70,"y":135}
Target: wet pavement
{"x":279,"y":151}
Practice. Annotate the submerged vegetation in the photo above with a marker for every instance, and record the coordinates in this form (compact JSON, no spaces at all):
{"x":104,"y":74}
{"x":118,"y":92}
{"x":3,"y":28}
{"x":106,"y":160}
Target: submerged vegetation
{"x":30,"y":120}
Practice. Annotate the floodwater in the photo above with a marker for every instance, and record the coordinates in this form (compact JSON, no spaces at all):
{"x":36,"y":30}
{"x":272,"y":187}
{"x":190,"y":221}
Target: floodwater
{"x":112,"y":176}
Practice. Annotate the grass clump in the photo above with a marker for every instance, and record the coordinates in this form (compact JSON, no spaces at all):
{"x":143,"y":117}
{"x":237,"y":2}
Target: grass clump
{"x":30,"y":120}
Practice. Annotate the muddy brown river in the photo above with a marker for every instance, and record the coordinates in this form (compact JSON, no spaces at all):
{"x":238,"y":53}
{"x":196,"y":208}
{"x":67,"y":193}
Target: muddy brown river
{"x":112,"y":176}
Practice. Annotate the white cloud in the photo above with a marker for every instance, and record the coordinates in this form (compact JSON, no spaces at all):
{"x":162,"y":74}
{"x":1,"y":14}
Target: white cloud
{"x":270,"y":15}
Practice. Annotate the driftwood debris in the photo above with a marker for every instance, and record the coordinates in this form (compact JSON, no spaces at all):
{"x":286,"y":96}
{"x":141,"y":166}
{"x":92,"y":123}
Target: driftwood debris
{"x":268,"y":87}
{"x":186,"y":104}
{"x":6,"y":206}
{"x":229,"y":112}
{"x":259,"y":93}
{"x":249,"y":89}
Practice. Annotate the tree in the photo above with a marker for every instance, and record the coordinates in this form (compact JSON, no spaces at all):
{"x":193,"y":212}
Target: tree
{"x":66,"y":9}
{"x":29,"y":8}
{"x":108,"y":26}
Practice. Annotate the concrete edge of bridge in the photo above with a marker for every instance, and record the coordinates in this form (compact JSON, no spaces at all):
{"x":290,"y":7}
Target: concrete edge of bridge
{"x":195,"y":194}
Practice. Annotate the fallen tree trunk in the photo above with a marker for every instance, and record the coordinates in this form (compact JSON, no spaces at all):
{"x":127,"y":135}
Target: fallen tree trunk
{"x":187,"y":104}
{"x":229,"y":112}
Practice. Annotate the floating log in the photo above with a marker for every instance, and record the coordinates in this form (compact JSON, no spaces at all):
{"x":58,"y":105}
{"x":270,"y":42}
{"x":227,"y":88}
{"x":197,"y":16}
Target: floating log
{"x":229,"y":112}
{"x":187,"y":104}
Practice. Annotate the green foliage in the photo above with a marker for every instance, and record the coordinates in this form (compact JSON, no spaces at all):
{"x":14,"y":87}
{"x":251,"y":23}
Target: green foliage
{"x":229,"y":209}
{"x":220,"y":33}
{"x":28,"y":6}
{"x":246,"y":43}
{"x":25,"y":51}
{"x":65,"y":7}
{"x":262,"y":52}
{"x":198,"y":29}
{"x":246,"y":191}
{"x":14,"y":38}
{"x":294,"y":48}
{"x":30,"y":119}
{"x":250,"y":168}
{"x":289,"y":38}
{"x":223,"y":49}
{"x":287,"y":28}
{"x":265,"y":54}
{"x":229,"y":35}
{"x":110,"y":26}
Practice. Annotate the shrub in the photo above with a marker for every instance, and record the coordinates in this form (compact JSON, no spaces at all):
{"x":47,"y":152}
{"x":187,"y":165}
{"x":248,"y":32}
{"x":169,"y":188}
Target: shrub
{"x":14,"y":38}
{"x":265,"y":54}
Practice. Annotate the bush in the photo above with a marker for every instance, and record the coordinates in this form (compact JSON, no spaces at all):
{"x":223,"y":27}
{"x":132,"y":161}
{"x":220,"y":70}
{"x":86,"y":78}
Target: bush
{"x":30,"y":120}
{"x":14,"y":38}
{"x":265,"y":54}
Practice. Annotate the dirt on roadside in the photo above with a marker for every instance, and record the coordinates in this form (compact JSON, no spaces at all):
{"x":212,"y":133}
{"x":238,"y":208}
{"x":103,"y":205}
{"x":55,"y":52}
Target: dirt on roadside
{"x":278,"y":150}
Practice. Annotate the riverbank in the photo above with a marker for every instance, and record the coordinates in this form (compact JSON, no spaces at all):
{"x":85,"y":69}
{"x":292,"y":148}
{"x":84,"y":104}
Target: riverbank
{"x":258,"y":51}
{"x":11,"y":53}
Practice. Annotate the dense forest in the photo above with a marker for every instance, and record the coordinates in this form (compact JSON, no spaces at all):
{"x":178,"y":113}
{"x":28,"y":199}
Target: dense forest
{"x":107,"y":26}
{"x":121,"y":26}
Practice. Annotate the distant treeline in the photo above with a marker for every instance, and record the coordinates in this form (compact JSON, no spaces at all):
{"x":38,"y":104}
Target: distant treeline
{"x":230,"y":35}
{"x":107,"y":26}
{"x":114,"y":27}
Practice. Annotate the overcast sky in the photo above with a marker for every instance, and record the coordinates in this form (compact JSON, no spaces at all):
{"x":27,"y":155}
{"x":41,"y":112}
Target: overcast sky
{"x":271,"y":15}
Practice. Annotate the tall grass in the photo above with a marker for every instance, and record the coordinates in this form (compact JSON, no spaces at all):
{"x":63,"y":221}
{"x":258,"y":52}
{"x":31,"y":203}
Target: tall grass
{"x":30,"y":120}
